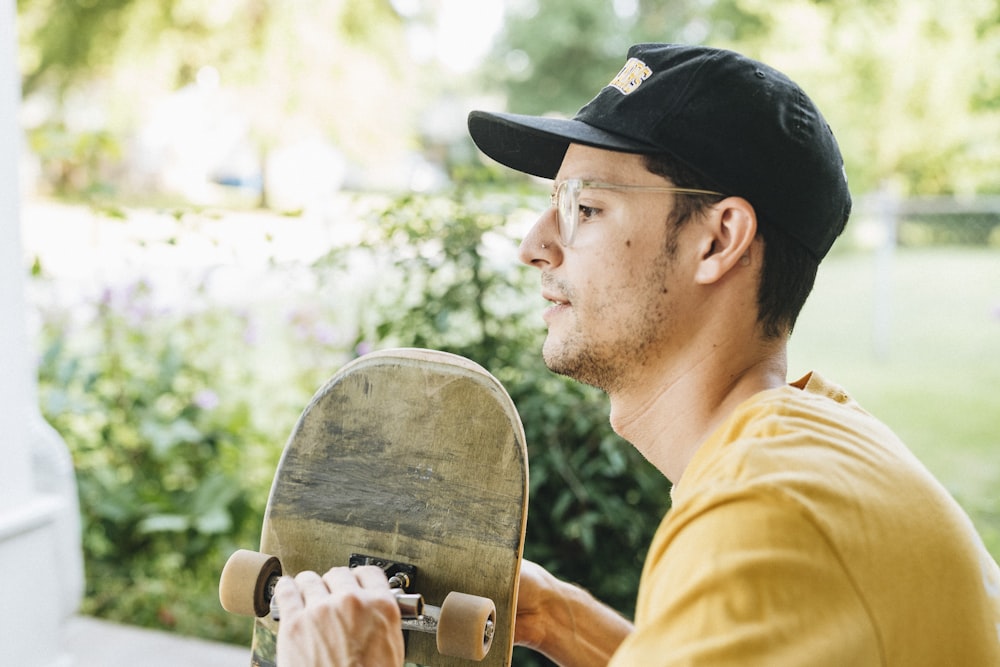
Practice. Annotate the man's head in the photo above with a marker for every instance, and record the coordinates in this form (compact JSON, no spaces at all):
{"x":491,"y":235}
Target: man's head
{"x":715,"y":120}
{"x":743,"y":125}
{"x":675,"y":117}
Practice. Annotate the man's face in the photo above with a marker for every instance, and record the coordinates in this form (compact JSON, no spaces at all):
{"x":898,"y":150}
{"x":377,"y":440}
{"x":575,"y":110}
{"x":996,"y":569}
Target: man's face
{"x":617,"y":292}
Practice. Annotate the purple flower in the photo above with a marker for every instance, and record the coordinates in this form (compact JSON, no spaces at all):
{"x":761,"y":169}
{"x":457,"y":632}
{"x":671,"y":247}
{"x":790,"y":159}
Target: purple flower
{"x":324,"y":333}
{"x":206,"y":399}
{"x":363,"y":348}
{"x":251,"y":333}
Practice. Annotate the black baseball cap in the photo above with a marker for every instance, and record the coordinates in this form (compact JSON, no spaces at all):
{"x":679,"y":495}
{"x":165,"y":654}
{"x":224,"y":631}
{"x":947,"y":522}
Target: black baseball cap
{"x":744,"y":125}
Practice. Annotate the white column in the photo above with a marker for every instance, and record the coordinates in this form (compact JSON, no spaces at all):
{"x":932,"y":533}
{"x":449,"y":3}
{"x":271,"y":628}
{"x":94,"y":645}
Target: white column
{"x":14,"y":360}
{"x":33,"y":555}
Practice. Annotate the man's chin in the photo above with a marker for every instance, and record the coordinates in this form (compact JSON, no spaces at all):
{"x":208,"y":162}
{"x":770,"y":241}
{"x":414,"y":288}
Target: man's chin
{"x":555,"y":358}
{"x":576,"y":365}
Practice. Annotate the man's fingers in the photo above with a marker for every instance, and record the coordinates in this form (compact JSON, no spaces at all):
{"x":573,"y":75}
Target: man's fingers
{"x":311,"y":586}
{"x":372,"y":578}
{"x":308,"y":588}
{"x":287,"y":597}
{"x":339,"y":580}
{"x":345,"y":617}
{"x":346,"y":579}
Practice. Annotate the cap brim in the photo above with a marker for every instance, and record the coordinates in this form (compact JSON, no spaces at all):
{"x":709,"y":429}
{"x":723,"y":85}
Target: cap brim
{"x":536,"y":145}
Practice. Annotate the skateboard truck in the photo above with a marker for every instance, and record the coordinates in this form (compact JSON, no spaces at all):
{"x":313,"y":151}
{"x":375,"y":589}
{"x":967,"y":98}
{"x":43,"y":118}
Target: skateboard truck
{"x":464,"y":624}
{"x":401,"y":577}
{"x":416,"y":615}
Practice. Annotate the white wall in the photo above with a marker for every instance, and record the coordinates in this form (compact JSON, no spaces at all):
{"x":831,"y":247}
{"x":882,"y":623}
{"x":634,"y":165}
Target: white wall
{"x":39,"y":538}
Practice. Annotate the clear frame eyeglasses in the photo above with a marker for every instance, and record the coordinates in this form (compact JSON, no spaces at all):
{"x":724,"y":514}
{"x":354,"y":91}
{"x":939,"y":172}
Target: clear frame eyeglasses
{"x":566,"y":200}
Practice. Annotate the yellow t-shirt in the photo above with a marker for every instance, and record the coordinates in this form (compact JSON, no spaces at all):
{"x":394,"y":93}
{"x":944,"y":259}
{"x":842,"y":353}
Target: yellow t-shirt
{"x":803,"y":532}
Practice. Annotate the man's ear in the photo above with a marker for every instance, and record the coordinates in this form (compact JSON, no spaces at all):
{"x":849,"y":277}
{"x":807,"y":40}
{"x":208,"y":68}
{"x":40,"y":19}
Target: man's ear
{"x":731,"y":226}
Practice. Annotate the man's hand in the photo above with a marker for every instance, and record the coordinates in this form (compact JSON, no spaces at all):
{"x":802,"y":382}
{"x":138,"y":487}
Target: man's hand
{"x":537,"y":586}
{"x":347,"y":617}
{"x":564,"y":622}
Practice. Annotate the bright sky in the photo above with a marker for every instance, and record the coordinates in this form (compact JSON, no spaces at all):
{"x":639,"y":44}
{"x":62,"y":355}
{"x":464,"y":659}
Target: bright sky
{"x":462,"y":34}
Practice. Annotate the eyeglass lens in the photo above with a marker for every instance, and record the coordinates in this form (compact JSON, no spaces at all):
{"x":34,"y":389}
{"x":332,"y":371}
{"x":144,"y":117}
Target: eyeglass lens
{"x":567,"y":203}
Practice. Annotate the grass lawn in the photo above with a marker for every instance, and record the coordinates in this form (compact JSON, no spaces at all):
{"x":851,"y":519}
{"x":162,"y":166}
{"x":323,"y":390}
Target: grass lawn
{"x":921,"y":352}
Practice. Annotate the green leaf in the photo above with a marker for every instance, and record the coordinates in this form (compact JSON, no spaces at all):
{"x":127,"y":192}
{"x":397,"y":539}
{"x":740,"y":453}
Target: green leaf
{"x":164,"y":523}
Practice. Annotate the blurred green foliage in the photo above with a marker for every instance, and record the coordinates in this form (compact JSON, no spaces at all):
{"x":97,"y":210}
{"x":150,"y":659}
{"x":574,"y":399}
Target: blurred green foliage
{"x":448,"y":281}
{"x":165,"y":447}
{"x":555,"y":56}
{"x":266,"y":74}
{"x":912,"y":93}
{"x":911,"y":90}
{"x":75,"y":163}
{"x":175,"y":436}
{"x":971,"y":228}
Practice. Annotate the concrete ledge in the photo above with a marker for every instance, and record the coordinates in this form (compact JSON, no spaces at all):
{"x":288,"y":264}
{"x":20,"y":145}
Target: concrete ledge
{"x":30,"y":637}
{"x":91,"y":642}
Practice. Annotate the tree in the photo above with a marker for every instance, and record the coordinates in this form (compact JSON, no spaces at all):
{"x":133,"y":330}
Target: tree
{"x":910,"y":91}
{"x":553,"y":56}
{"x":290,"y":71}
{"x":60,"y":39}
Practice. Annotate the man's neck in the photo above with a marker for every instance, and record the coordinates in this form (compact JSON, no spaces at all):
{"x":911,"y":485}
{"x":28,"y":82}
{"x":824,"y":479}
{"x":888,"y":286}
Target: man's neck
{"x":668,"y":415}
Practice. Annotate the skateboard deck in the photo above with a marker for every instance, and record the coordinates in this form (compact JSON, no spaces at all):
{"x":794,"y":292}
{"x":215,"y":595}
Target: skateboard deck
{"x":405,"y":456}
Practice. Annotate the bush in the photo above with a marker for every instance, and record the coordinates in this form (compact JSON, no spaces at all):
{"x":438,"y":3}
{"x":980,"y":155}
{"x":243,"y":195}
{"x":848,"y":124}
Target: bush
{"x":595,"y":502}
{"x":175,"y":437}
{"x":75,"y":163}
{"x":942,"y":229}
{"x":162,"y":440}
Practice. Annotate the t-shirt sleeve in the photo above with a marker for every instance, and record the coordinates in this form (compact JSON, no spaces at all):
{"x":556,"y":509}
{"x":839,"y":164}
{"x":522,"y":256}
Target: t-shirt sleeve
{"x":748,"y":581}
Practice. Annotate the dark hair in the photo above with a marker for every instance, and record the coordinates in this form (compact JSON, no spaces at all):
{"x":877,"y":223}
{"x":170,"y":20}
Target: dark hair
{"x":789,"y":269}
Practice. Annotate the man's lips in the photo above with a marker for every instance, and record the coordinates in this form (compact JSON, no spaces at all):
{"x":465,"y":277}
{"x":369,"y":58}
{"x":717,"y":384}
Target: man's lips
{"x":558,"y":294}
{"x":559,"y":304}
{"x":555,"y":299}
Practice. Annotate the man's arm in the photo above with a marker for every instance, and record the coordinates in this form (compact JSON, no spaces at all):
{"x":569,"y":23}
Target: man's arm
{"x":565,"y":623}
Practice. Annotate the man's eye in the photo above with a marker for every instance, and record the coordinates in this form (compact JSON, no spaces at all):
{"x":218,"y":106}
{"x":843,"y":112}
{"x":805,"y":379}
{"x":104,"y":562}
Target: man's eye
{"x":587,"y":212}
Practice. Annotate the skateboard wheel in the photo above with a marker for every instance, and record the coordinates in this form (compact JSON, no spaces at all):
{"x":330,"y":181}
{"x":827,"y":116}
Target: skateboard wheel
{"x":247,"y":583}
{"x":465,"y":629}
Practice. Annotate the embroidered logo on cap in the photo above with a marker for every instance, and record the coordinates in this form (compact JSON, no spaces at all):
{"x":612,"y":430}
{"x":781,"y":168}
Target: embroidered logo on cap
{"x":631,"y":76}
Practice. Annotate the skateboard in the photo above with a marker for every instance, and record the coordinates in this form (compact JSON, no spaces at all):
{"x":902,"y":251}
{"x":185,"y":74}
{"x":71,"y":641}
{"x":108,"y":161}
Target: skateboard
{"x":413,"y":460}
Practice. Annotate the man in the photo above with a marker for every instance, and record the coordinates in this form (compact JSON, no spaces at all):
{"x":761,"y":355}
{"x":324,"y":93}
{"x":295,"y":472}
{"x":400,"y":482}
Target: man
{"x":694,"y":199}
